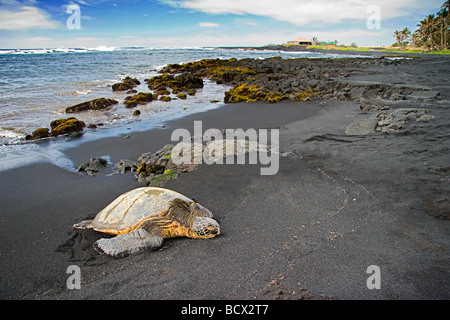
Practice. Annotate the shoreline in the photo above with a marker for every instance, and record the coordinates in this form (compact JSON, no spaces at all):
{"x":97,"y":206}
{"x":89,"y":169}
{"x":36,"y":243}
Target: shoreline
{"x":338,"y":204}
{"x":298,"y":48}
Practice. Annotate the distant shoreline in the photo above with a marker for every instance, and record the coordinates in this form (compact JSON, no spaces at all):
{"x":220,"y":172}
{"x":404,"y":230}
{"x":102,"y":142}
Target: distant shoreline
{"x":337,"y":50}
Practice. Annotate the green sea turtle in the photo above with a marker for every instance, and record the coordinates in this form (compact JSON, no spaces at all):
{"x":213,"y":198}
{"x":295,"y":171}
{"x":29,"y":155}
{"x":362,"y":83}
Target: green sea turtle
{"x":143,"y":217}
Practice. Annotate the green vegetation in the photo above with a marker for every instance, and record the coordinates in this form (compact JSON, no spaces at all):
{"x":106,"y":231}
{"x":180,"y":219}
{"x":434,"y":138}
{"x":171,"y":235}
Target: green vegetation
{"x":306,"y":95}
{"x":341,"y":48}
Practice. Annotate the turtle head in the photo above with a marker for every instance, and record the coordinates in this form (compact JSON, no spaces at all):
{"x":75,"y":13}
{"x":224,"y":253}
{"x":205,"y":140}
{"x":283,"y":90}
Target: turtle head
{"x":204,"y":227}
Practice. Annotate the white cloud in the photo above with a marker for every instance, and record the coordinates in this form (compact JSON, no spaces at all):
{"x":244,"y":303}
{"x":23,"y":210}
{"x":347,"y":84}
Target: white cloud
{"x":27,"y":17}
{"x":305,"y":12}
{"x":208,"y":25}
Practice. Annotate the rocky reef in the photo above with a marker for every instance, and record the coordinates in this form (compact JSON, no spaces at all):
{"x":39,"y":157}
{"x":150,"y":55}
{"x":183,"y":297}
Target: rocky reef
{"x":275,"y":79}
{"x":181,"y":82}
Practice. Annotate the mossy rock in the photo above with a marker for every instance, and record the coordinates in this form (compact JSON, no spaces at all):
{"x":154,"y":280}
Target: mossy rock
{"x":192,"y":92}
{"x":126,"y":84}
{"x":165,"y":98}
{"x":179,"y":83}
{"x":140,"y":98}
{"x":227,"y":74}
{"x":93,"y":166}
{"x":40,"y":133}
{"x":181,"y":96}
{"x":252,"y":93}
{"x":163,"y":92}
{"x":196,"y":67}
{"x":96,"y":104}
{"x":136,"y":113}
{"x":160,"y":82}
{"x":63,"y":126}
{"x":158,"y":179}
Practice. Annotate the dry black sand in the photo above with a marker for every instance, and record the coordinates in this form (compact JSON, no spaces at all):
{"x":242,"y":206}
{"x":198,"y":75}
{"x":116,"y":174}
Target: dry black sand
{"x":337,"y":205}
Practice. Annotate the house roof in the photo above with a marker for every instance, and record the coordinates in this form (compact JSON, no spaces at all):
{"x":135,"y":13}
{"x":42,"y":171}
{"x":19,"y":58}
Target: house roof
{"x":302,"y":40}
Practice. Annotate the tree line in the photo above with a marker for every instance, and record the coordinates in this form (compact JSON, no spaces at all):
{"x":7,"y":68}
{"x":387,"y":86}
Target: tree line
{"x":432,"y":33}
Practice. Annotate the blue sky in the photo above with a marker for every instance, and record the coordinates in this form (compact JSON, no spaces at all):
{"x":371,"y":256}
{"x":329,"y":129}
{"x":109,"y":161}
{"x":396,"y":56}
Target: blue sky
{"x":195,"y":23}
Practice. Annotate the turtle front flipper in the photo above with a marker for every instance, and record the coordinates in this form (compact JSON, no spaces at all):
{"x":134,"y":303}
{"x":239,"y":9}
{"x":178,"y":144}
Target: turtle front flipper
{"x":85,"y":224}
{"x":132,"y":242}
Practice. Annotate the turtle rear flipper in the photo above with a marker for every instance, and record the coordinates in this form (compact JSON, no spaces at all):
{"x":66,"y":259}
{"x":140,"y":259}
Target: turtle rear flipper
{"x":132,"y":242}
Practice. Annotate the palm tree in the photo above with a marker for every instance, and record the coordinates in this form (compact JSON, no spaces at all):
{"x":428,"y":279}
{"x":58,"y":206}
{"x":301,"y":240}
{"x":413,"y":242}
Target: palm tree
{"x":398,"y":37}
{"x":445,"y":8}
{"x":405,"y":36}
{"x":416,"y":39}
{"x":441,"y":25}
{"x":315,"y":41}
{"x":427,"y":29}
{"x":444,"y":15}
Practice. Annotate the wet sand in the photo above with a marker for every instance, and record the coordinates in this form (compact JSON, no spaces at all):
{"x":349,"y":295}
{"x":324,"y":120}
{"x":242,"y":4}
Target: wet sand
{"x":339,"y":204}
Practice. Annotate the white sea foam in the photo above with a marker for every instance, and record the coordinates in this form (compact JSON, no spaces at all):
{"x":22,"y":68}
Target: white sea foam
{"x":15,"y":156}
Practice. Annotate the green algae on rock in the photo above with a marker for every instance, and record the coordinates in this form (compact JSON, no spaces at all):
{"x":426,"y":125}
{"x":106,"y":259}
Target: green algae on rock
{"x":165,"y":98}
{"x":96,"y":104}
{"x":182,"y":82}
{"x":126,"y":84}
{"x":140,"y":98}
{"x":39,"y":133}
{"x":252,"y":93}
{"x":63,"y":126}
{"x":59,"y":127}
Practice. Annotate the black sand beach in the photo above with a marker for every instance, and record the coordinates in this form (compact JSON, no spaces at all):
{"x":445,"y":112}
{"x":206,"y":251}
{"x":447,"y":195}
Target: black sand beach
{"x":339,"y":204}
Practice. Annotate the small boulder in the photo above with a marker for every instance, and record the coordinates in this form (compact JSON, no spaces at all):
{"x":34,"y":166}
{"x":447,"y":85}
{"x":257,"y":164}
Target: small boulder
{"x":96,"y":104}
{"x":63,"y":126}
{"x":125,"y":165}
{"x":140,"y":98}
{"x":40,"y":133}
{"x":361,"y":127}
{"x":126,"y":84}
{"x":93,"y":166}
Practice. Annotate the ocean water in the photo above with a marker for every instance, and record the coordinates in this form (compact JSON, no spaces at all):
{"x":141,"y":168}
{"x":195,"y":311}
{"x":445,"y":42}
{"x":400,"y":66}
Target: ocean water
{"x":36,"y":85}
